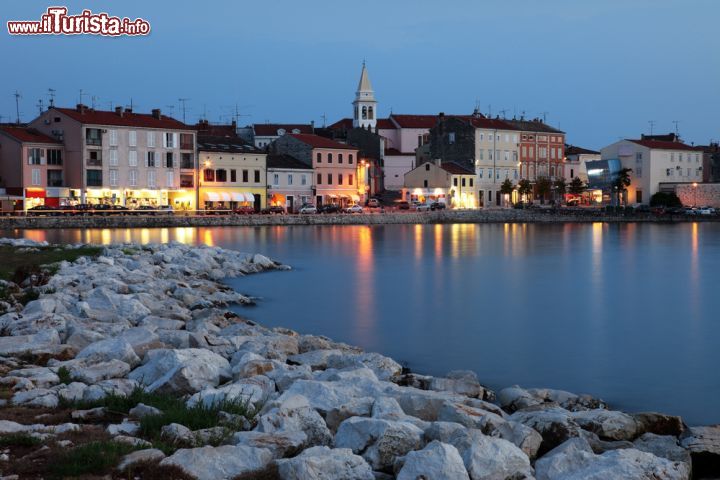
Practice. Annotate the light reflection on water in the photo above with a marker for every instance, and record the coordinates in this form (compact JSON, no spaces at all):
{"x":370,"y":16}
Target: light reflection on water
{"x":625,"y":312}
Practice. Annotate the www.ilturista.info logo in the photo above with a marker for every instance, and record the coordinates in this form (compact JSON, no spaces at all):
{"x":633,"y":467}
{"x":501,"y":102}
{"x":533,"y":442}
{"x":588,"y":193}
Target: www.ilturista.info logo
{"x":56,"y":21}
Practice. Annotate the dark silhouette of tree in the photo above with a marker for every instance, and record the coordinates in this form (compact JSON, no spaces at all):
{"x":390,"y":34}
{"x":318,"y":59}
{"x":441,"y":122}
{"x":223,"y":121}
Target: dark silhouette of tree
{"x":577,"y":186}
{"x":543,"y":185}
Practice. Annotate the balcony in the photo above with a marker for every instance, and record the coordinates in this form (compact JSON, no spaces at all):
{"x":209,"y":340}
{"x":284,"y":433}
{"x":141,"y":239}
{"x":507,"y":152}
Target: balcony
{"x":95,"y":142}
{"x":94,"y":162}
{"x":186,"y":183}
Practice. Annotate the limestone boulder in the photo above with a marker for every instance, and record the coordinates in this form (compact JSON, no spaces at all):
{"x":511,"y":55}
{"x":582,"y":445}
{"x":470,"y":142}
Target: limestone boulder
{"x":323,"y":463}
{"x":436,"y":461}
{"x":220,"y":463}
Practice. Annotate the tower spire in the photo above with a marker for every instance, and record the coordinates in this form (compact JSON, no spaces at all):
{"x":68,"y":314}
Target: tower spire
{"x":365,"y":105}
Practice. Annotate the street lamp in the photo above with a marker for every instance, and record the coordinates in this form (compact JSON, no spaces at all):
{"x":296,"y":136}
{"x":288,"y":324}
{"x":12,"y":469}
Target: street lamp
{"x":694,"y":194}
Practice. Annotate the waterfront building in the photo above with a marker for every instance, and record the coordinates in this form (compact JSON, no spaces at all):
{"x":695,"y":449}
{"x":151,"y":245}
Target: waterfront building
{"x":124,"y":158}
{"x":576,"y":159}
{"x":264,"y":134}
{"x":445,"y":182}
{"x":233,"y":174}
{"x":541,"y":149}
{"x":711,"y":162}
{"x":32,"y":168}
{"x":289,"y":182}
{"x":653,"y":162}
{"x":339,"y":177}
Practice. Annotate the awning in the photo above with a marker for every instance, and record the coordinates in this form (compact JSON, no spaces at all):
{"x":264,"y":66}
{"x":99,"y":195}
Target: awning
{"x":225,"y":196}
{"x":212,"y":197}
{"x":238,"y":197}
{"x":249,"y":197}
{"x":331,"y":195}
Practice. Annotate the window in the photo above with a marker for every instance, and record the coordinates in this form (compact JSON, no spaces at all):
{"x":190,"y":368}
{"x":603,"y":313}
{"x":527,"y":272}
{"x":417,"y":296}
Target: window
{"x":319,"y":179}
{"x":455,"y":182}
{"x":638,"y":156}
{"x":420,"y":139}
{"x":638,"y":171}
{"x":425,"y":183}
{"x":490,"y":155}
{"x":289,"y":179}
{"x":340,"y":159}
{"x":427,"y":167}
{"x":329,"y":178}
{"x":93,"y":136}
{"x":679,"y":157}
{"x":506,"y":155}
{"x":245,"y":176}
{"x":150,"y":159}
{"x":490,"y":172}
{"x":113,"y":157}
{"x":34,"y":155}
{"x":113,"y":178}
{"x":350,"y":179}
{"x":221,"y":175}
{"x":169,"y":178}
{"x":169,"y":140}
{"x":186,"y":160}
{"x":93,"y":178}
{"x":151,"y":178}
{"x":132,"y":158}
{"x":54,"y":156}
{"x":462,"y":182}
{"x":552,"y":153}
{"x":186,"y":141}
{"x":303,"y":179}
{"x":471,"y":182}
{"x":480,"y":173}
{"x":318,"y":157}
{"x":507,"y":138}
{"x":340,"y":178}
{"x":482,"y":135}
{"x":514,"y":156}
{"x":113,"y":138}
{"x":531,"y":151}
{"x":132,"y":178}
{"x":94,"y":158}
{"x":451,"y":138}
{"x":515,"y":174}
{"x":638,"y":196}
{"x":54,"y":178}
{"x":350,"y":158}
{"x":489,"y":195}
{"x":329,"y":157}
{"x":151,"y":139}
{"x":276,"y":179}
{"x":480,"y":154}
{"x":515,"y":138}
{"x":257,"y":176}
{"x":132,"y":138}
{"x":233,"y":175}
{"x":187,"y":180}
{"x":169,"y":160}
{"x":35,"y":176}
{"x":209,"y":175}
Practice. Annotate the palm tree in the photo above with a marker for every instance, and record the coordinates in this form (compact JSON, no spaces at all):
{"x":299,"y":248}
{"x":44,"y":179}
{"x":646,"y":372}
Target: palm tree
{"x":543,"y":186}
{"x":622,"y":181}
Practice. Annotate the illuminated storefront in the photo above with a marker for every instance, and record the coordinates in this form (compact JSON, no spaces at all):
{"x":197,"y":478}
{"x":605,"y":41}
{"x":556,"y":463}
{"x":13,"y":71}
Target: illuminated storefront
{"x":50,"y":197}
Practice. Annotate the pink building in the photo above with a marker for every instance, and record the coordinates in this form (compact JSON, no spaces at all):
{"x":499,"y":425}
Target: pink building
{"x":32,"y":167}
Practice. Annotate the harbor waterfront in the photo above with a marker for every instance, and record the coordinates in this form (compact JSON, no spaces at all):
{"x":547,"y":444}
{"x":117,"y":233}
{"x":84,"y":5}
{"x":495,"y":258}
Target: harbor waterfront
{"x":621,"y":311}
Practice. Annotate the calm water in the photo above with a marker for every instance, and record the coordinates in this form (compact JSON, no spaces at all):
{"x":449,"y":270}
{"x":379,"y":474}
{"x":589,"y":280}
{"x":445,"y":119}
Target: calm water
{"x":625,"y":312}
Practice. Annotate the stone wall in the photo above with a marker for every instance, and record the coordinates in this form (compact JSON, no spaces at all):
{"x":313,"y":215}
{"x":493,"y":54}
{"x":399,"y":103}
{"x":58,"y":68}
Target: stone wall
{"x":452,"y":216}
{"x":703,"y":194}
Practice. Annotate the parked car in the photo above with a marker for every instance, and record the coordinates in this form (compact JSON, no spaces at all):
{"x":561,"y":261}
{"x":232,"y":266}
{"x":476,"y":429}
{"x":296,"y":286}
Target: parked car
{"x":421,"y":207}
{"x":41,"y":210}
{"x":307,"y":209}
{"x":690,"y":211}
{"x":706,"y":211}
{"x":274,"y":209}
{"x":355,"y":208}
{"x":244,"y":210}
{"x":119,"y":210}
{"x":437,"y":206}
{"x":165,"y":210}
{"x":330,"y":208}
{"x":403,"y":205}
{"x":144,"y":210}
{"x":373,"y":203}
{"x":101,"y":209}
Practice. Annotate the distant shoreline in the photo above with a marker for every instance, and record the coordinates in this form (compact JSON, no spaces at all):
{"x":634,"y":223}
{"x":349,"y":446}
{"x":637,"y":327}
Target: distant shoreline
{"x":444,"y":217}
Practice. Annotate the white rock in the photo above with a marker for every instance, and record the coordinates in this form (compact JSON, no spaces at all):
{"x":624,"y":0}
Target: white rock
{"x":177,"y":434}
{"x":253,"y":391}
{"x":141,"y":410}
{"x":385,"y":368}
{"x":110,"y":349}
{"x":96,"y":372}
{"x":491,"y":458}
{"x":181,"y":371}
{"x":607,"y":424}
{"x":149,"y":455}
{"x":296,"y":419}
{"x":19,"y":344}
{"x":39,"y":397}
{"x":219,"y":463}
{"x":664,"y":446}
{"x":281,"y":444}
{"x":141,"y":339}
{"x":436,"y":461}
{"x":125,"y":428}
{"x":323,"y":463}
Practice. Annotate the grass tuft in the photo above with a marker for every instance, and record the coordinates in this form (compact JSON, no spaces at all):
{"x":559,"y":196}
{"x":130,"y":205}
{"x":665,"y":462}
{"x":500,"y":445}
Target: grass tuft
{"x":90,"y":458}
{"x":64,"y":375}
{"x":19,"y":440}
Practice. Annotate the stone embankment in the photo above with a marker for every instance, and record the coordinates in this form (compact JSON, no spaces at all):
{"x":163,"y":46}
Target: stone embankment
{"x":155,"y":318}
{"x":388,"y":218}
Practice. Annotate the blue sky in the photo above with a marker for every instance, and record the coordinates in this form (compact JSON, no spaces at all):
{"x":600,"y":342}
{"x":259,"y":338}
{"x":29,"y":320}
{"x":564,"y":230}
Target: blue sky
{"x":601,"y":70}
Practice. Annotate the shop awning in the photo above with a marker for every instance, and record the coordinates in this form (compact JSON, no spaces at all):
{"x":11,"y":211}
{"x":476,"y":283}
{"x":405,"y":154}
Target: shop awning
{"x":212,"y":196}
{"x":225,"y":196}
{"x":331,"y":195}
{"x":243,"y":197}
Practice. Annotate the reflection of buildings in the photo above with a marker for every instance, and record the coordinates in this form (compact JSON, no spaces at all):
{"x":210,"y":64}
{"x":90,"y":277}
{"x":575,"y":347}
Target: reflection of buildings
{"x":32,"y":169}
{"x":289,"y":182}
{"x":232,"y":174}
{"x":655,"y":159}
{"x":123,"y":157}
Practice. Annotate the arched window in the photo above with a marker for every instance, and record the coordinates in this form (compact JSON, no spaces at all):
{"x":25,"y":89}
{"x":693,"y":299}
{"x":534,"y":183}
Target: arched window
{"x":364,"y":112}
{"x":329,"y":157}
{"x":355,"y":112}
{"x":370,"y":112}
{"x":340,"y":159}
{"x":319,"y":157}
{"x":427,"y":167}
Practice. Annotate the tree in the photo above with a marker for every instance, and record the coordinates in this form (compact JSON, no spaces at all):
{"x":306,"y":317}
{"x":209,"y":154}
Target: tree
{"x":507,"y":187}
{"x":577,"y":186}
{"x":622,"y":181}
{"x":524,"y":187}
{"x":560,"y":187}
{"x":665,"y":199}
{"x":543,"y":186}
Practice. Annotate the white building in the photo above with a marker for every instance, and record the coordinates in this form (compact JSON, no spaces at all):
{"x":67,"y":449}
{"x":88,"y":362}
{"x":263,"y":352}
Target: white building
{"x":654,"y":162}
{"x":496,"y":159}
{"x":364,"y":105}
{"x":289,"y":182}
{"x":576,"y":159}
{"x":265,"y":133}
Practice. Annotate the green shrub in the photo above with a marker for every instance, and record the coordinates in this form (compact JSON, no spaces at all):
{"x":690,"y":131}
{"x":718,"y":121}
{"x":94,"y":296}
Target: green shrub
{"x":19,"y":440}
{"x":64,"y":375}
{"x":90,"y":458}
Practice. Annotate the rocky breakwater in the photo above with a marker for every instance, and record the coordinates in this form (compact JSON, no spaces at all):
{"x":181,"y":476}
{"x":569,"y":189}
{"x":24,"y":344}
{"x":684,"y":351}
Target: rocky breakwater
{"x":135,"y":351}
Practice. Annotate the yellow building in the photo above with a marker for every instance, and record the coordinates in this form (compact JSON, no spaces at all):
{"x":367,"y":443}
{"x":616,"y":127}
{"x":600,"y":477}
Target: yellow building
{"x":448,"y":183}
{"x":232,"y":174}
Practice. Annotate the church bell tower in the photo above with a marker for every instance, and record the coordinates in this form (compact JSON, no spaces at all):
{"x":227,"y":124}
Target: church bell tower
{"x":365,"y":105}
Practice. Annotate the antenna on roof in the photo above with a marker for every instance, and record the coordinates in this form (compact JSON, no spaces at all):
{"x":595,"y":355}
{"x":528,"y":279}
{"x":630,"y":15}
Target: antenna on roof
{"x":93,"y":99}
{"x":40,"y":106}
{"x":81,"y":95}
{"x":171,"y":108}
{"x":676,"y":122}
{"x":111,"y":104}
{"x":17,"y":105}
{"x":502,"y":113}
{"x":489,"y":111}
{"x":544,"y":115}
{"x":324,"y":118}
{"x":182,"y":103}
{"x":652,"y":126}
{"x":51,"y":94}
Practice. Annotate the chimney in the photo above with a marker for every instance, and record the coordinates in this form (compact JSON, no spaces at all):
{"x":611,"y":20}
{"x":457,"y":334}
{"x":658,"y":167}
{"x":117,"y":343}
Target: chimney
{"x":128,"y":110}
{"x":80,"y":108}
{"x":119,"y":110}
{"x":234,"y":125}
{"x":312,"y":126}
{"x":156,"y":113}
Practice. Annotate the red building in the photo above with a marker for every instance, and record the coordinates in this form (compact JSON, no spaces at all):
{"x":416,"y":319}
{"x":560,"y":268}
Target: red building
{"x":541,"y":149}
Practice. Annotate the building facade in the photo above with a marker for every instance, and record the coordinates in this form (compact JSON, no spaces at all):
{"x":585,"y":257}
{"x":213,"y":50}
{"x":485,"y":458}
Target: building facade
{"x":541,"y":149}
{"x":289,"y":182}
{"x":32,"y":168}
{"x":124,"y":158}
{"x":448,"y":182}
{"x":576,"y":159}
{"x":654,"y":162}
{"x":232,"y":174}
{"x":265,"y":133}
{"x":364,"y":105}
